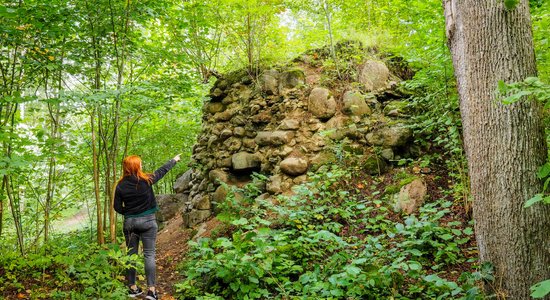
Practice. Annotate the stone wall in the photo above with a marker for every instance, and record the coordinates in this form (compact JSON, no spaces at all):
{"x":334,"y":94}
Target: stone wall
{"x":287,"y":122}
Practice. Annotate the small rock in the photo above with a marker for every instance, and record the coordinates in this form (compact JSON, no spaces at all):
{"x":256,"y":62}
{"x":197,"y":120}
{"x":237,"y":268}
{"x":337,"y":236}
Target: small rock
{"x":226,"y":133}
{"x":412,"y":196}
{"x":233,"y":144}
{"x":321,"y":103}
{"x":219,"y":195}
{"x":355,"y":104}
{"x":269,"y":83}
{"x":244,"y":161}
{"x":387,"y":153}
{"x":202,"y":202}
{"x":289,"y":124}
{"x":322,"y":158}
{"x":294,"y":166}
{"x":274,"y":184}
{"x":300,"y":179}
{"x":229,"y":99}
{"x":394,"y":136}
{"x":214,"y":107}
{"x":216,"y":93}
{"x":225,"y":115}
{"x":217,"y":176}
{"x":275,"y":138}
{"x":249,"y":143}
{"x":224,"y":162}
{"x":374,"y":165}
{"x":239,"y":131}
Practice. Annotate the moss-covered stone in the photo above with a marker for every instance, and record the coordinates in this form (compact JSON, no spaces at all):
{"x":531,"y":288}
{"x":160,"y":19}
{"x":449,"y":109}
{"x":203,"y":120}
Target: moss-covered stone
{"x":374,"y":165}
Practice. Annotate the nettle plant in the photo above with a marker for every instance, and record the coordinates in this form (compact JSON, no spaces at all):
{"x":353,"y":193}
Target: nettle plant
{"x":323,"y":242}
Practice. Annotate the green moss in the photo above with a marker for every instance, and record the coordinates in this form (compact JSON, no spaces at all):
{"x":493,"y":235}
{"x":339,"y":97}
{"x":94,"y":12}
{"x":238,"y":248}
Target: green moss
{"x":391,"y":189}
{"x":405,"y":178}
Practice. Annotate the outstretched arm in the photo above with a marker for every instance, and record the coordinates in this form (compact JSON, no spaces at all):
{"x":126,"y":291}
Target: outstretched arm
{"x":165,"y":168}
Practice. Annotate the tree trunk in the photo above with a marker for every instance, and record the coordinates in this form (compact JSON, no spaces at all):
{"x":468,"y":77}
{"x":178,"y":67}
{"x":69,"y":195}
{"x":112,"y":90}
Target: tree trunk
{"x":504,"y":143}
{"x":95,"y":167}
{"x":50,"y":187}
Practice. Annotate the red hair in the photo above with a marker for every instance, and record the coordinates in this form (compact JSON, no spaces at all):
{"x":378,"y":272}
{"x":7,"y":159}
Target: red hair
{"x":131,"y":165}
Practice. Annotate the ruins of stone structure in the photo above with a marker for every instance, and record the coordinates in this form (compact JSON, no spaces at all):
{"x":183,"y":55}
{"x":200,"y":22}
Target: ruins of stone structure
{"x":287,"y":121}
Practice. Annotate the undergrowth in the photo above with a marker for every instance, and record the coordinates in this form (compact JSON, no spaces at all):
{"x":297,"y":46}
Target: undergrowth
{"x":68,"y":267}
{"x":325,"y":242}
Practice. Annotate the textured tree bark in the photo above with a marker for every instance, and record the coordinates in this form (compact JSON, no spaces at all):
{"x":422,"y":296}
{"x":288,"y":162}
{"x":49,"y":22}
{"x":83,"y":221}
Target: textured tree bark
{"x":504,"y":143}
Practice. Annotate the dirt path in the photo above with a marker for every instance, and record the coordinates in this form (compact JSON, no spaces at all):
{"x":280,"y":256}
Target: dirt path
{"x":171,"y":250}
{"x":76,"y":221}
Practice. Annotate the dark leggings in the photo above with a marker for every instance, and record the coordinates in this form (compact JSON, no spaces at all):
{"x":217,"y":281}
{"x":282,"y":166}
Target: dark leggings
{"x":144,"y":228}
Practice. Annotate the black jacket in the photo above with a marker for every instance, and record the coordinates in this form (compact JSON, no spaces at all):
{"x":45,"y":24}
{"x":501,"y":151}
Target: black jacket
{"x":134,"y":196}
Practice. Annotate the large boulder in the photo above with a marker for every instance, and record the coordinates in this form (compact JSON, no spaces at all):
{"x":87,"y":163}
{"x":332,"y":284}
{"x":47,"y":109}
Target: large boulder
{"x":411,"y":196}
{"x":395,"y":136}
{"x":244,"y":161}
{"x":374,"y":75}
{"x":294,"y":166}
{"x":355,"y":104}
{"x":291,"y":79}
{"x":182,"y":183}
{"x":269,"y":82}
{"x":170,"y":205}
{"x":321,"y":103}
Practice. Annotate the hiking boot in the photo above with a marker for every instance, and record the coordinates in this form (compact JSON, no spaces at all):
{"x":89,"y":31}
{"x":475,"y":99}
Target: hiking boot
{"x":134,"y":292}
{"x":152,"y":295}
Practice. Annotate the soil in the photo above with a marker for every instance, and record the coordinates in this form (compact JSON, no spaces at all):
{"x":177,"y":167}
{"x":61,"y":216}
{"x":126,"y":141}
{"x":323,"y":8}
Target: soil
{"x":171,"y":251}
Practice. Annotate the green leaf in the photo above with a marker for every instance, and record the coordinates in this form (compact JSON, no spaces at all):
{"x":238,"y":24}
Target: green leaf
{"x":540,"y":289}
{"x":535,"y":199}
{"x":241,"y":221}
{"x":353,"y":270}
{"x":502,"y":87}
{"x":253,"y":279}
{"x":446,"y":236}
{"x":414,"y":265}
{"x":544,"y":171}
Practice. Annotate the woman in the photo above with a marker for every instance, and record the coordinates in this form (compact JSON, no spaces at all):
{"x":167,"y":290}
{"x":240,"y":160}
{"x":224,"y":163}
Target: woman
{"x":134,"y":198}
